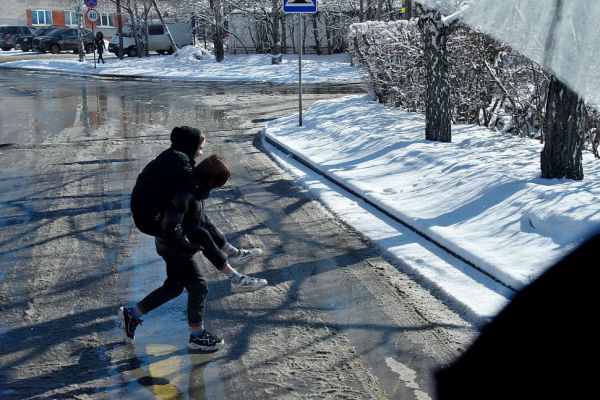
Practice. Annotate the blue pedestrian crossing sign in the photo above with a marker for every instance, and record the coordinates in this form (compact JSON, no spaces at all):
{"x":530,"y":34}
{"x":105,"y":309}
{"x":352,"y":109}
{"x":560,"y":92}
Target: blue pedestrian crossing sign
{"x":299,"y":6}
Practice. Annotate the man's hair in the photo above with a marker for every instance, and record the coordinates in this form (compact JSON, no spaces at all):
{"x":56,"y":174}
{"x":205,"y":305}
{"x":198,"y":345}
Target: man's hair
{"x":213,"y":168}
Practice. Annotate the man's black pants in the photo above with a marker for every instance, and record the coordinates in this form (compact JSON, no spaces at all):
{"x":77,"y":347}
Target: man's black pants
{"x":182,"y":272}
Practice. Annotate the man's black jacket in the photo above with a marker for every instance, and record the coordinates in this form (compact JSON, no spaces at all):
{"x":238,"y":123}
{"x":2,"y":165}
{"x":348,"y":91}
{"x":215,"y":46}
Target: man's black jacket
{"x":163,"y":177}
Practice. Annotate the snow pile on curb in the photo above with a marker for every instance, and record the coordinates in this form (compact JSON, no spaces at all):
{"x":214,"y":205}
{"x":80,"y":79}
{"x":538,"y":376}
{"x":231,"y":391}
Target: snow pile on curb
{"x":192,"y":53}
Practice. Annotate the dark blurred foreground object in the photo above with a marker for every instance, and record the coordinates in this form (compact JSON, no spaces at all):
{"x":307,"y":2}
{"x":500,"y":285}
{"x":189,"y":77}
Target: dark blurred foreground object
{"x":542,"y":345}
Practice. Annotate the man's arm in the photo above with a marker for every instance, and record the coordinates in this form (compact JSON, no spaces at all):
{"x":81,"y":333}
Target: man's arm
{"x":172,"y":223}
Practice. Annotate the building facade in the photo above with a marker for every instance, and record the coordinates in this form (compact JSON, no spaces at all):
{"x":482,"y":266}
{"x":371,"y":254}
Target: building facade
{"x":38,"y":13}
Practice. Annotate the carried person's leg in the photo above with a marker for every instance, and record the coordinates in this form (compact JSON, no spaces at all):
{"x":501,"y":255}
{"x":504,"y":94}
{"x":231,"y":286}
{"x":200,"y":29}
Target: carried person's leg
{"x":236,"y":256}
{"x":239,"y":282}
{"x":210,"y":249}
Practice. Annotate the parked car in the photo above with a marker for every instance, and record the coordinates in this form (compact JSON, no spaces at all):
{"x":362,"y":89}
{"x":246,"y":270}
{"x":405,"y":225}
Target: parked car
{"x":63,"y":39}
{"x":9,"y":34}
{"x":25,"y":42}
{"x":158,"y":40}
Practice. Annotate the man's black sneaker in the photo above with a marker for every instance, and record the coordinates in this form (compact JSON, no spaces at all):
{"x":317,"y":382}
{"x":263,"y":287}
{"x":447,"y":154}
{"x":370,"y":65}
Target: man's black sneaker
{"x":128,"y":322}
{"x":206,"y":342}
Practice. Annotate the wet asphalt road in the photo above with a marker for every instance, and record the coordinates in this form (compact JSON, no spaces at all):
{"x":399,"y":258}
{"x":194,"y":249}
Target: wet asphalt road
{"x":338,"y":320}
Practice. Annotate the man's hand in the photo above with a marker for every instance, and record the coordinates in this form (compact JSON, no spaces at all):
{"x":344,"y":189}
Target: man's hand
{"x":184,"y":245}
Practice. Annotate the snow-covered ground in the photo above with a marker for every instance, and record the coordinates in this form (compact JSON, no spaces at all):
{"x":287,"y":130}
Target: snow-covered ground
{"x":195,"y":64}
{"x":480,"y":196}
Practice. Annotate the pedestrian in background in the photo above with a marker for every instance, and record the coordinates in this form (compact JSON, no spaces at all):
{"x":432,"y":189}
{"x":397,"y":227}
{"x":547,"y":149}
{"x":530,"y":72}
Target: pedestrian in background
{"x":100,"y":46}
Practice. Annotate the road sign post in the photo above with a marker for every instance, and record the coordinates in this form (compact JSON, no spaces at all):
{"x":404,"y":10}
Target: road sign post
{"x":92,"y":16}
{"x":300,"y":7}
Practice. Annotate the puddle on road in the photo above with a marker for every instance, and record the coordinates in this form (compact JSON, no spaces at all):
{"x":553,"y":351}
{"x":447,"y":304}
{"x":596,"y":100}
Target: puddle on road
{"x":45,"y":109}
{"x":158,"y":364}
{"x":161,"y":375}
{"x":397,"y":362}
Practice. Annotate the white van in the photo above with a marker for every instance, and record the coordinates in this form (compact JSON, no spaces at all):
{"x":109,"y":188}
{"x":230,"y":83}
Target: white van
{"x":158,"y":40}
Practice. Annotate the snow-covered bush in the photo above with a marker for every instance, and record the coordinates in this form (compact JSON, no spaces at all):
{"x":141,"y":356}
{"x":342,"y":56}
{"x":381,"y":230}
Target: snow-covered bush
{"x":491,"y":84}
{"x":392,"y":54}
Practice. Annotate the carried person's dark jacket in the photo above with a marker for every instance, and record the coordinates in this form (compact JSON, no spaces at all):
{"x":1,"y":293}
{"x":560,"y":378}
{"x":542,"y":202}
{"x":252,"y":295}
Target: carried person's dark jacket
{"x":186,"y":227}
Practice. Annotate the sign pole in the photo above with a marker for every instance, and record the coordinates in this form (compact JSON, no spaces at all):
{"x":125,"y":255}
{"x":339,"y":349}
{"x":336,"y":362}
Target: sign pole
{"x":300,"y":7}
{"x":92,"y":16}
{"x":301,"y":45}
{"x":93,"y":34}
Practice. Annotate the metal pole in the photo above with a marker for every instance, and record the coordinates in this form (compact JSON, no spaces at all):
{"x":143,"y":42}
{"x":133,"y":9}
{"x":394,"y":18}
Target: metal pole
{"x":94,"y":35}
{"x":301,"y":44}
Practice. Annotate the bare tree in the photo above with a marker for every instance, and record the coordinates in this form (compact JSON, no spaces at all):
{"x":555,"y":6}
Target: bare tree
{"x":138,"y":22}
{"x":120,"y":28}
{"x":276,"y":13}
{"x":563,"y":144}
{"x":314,"y":18}
{"x":217,"y":8}
{"x":437,"y":112}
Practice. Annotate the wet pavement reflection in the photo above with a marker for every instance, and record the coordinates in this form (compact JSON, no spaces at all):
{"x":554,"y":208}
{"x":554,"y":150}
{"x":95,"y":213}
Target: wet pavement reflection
{"x":35,"y":108}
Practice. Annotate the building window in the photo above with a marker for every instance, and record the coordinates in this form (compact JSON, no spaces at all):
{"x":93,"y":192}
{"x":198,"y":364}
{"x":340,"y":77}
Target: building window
{"x":107,"y":19}
{"x":70,"y":18}
{"x":41,"y":17}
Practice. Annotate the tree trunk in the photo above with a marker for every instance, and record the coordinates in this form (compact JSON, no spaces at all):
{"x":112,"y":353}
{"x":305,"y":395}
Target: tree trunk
{"x":217,"y":8}
{"x":146,"y":37}
{"x":437,"y":113}
{"x":120,"y":29}
{"x":166,"y":28}
{"x":314,"y":18}
{"x":361,"y":16}
{"x":276,"y":56}
{"x":379,"y":10}
{"x":561,"y":156}
{"x":80,"y":47}
{"x":137,"y":31}
{"x":409,"y":7}
{"x":284,"y":34}
{"x":328,"y":34}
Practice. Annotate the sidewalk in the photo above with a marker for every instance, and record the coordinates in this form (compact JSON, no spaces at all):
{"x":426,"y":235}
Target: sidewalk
{"x":479,"y":197}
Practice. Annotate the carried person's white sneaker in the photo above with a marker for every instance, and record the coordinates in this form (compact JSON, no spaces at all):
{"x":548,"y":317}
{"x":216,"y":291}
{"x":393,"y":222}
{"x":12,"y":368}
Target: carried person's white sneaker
{"x":248,"y":284}
{"x":244,"y":256}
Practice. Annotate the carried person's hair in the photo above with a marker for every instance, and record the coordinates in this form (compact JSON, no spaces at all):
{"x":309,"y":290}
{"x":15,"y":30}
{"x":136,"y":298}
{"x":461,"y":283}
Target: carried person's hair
{"x":213,"y":169}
